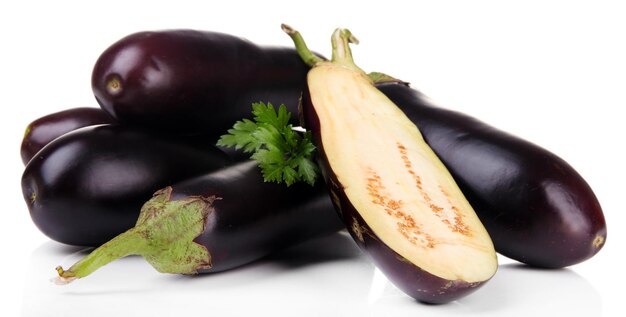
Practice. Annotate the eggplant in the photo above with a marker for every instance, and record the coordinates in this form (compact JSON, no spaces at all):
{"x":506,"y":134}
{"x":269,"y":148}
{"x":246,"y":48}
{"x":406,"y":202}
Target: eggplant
{"x":194,"y":81}
{"x":87,"y":186}
{"x":537,"y":208}
{"x":397,"y":199}
{"x":47,"y":128}
{"x":215,"y":222}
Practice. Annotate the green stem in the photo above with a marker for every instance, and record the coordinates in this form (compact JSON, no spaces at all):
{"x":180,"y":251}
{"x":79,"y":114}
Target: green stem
{"x":305,"y":53}
{"x":342,"y":54}
{"x":128,"y":243}
{"x":164,"y":235}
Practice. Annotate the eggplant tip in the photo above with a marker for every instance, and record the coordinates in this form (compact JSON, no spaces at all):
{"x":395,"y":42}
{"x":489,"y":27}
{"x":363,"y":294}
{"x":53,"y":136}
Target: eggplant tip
{"x":60,"y":280}
{"x":63,"y":277}
{"x":598,"y":241}
{"x":287,"y":29}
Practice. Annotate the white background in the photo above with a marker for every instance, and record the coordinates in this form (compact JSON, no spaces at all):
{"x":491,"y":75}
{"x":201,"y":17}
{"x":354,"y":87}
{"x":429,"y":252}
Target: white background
{"x":551,"y":72}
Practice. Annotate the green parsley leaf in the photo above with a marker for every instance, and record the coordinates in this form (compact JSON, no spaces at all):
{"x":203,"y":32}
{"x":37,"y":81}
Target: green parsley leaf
{"x":240,"y":136}
{"x":284,"y":155}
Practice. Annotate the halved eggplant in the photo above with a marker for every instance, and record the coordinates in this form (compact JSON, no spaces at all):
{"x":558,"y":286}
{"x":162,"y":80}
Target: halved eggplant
{"x":397,"y":199}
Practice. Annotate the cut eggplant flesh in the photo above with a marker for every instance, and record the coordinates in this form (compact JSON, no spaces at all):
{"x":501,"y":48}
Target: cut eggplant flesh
{"x":394,"y":180}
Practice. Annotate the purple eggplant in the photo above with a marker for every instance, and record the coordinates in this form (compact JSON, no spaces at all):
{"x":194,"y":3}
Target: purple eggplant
{"x":193,"y":81}
{"x":218,"y":221}
{"x":45,"y":129}
{"x":536,"y":207}
{"x":87,"y":186}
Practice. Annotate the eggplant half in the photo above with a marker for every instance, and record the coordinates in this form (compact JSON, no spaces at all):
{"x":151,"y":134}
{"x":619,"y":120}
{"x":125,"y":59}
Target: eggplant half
{"x":397,"y":199}
{"x":216,"y":222}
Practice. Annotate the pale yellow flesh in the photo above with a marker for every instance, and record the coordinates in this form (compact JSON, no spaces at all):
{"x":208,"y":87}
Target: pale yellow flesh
{"x":395,"y":181}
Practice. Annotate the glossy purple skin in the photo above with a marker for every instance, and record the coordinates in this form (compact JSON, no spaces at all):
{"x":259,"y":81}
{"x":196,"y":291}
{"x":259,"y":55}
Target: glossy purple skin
{"x":88,"y":186}
{"x":193,"y":81}
{"x":252,"y":218}
{"x":408,"y":277}
{"x":535,"y":206}
{"x":47,"y":128}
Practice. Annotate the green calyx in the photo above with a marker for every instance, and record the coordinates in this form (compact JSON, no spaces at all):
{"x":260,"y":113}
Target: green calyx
{"x":163,"y":235}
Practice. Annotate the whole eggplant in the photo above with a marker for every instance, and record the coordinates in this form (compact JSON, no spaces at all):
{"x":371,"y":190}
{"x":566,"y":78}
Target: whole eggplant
{"x":47,"y":128}
{"x":535,"y":206}
{"x":216,"y":222}
{"x":193,"y":81}
{"x":87,"y":186}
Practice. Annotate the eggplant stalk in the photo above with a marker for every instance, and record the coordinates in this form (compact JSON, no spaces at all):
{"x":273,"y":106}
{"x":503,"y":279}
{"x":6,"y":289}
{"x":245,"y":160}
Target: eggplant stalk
{"x":163,"y":235}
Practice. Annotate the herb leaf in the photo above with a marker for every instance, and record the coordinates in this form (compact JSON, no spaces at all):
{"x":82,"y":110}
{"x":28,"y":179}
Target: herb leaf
{"x":283,"y":154}
{"x":240,"y":136}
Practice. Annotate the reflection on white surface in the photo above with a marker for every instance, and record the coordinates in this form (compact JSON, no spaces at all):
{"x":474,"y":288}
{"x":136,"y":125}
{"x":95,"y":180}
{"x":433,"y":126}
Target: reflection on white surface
{"x":324,"y":277}
{"x":516,"y":290}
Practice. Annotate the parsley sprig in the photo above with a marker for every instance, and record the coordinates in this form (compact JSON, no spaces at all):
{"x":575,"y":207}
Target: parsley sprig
{"x":284,"y":155}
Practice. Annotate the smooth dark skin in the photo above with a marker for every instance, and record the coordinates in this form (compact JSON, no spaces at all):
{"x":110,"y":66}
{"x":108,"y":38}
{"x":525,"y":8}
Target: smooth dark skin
{"x":252,"y":218}
{"x":192,"y":81}
{"x":47,"y":128}
{"x":536,"y":207}
{"x":88,"y":186}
